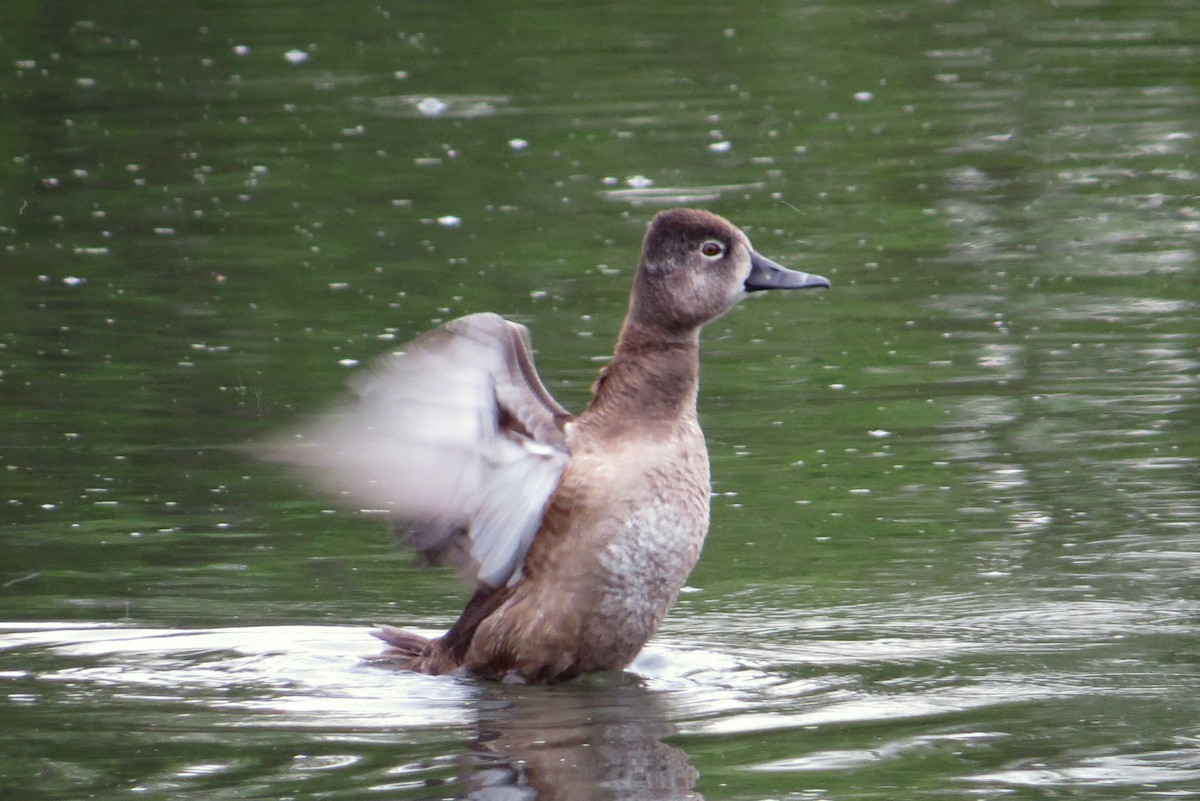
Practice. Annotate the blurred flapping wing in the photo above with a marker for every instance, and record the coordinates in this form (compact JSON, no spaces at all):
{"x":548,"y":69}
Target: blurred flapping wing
{"x":455,"y":437}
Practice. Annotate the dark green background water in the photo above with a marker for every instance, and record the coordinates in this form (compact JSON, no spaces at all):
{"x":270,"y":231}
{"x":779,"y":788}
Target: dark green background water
{"x":956,"y":530}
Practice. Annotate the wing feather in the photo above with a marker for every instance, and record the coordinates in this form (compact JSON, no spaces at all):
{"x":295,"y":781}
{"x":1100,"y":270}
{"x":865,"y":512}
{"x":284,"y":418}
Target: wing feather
{"x":456,"y":437}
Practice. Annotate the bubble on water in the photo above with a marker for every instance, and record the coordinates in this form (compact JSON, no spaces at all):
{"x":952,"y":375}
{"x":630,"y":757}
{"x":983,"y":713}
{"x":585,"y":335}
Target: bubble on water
{"x":518,"y":144}
{"x":864,"y":97}
{"x":638,"y":181}
{"x":431,"y":106}
{"x":449,"y":221}
{"x":723,"y":146}
{"x":296,"y":56}
{"x":241,"y":50}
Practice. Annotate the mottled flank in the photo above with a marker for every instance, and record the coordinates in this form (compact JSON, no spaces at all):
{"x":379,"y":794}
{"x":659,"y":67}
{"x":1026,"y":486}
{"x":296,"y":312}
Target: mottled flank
{"x":578,"y":532}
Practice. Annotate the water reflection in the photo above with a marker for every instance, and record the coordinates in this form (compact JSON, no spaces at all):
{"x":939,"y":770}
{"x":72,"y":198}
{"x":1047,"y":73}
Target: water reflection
{"x":675,"y":195}
{"x":451,"y":106}
{"x":601,"y":738}
{"x":827,"y":691}
{"x":595,"y":741}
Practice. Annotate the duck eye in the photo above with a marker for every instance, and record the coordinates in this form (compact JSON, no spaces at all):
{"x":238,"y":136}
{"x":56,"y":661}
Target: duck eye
{"x":712,"y":248}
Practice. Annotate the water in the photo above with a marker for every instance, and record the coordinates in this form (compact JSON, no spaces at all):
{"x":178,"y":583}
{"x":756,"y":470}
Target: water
{"x":956,"y":520}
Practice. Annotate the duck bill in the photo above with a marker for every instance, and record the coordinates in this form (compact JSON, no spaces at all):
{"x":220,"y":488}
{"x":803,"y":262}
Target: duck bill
{"x":766,"y":274}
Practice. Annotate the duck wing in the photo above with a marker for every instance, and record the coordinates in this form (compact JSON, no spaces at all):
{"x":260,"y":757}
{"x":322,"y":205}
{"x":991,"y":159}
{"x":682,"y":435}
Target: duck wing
{"x":455,"y":437}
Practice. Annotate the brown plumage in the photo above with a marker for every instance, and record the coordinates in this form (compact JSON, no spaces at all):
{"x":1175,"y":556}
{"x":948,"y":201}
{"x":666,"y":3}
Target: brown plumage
{"x":578,"y":532}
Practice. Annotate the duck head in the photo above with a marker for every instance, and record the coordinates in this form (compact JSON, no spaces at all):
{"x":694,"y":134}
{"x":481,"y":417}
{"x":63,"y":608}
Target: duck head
{"x":696,"y":266}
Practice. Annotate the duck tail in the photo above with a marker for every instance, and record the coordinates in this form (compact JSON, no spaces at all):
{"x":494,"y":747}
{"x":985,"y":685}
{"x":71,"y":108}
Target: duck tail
{"x":445,"y":654}
{"x":409,"y":651}
{"x":401,"y":642}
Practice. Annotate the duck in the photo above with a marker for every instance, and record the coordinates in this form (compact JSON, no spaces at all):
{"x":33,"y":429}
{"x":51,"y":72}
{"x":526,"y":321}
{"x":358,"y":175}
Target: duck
{"x":577,"y":533}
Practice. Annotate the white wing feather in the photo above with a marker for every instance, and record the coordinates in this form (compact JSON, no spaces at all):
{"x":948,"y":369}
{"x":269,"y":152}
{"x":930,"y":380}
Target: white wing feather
{"x":455,"y":436}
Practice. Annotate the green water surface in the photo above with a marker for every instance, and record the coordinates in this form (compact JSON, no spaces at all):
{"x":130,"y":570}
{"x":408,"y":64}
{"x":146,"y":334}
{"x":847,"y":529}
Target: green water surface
{"x":955,"y":549}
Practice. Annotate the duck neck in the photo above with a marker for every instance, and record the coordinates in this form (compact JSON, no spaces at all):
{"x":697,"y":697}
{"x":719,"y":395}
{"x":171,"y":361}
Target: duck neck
{"x":652,"y":378}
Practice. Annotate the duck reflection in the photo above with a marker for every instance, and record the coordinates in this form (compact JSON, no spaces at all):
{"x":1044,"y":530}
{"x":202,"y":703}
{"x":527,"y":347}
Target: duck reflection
{"x":598,"y":739}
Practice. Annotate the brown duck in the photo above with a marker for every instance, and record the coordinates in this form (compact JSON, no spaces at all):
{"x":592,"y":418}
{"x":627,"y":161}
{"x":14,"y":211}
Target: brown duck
{"x":577,"y":532}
